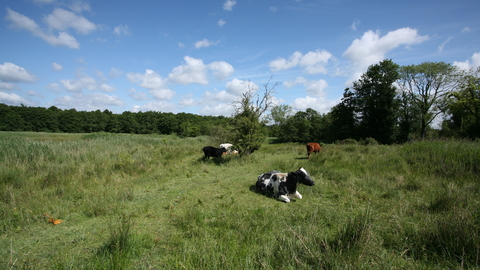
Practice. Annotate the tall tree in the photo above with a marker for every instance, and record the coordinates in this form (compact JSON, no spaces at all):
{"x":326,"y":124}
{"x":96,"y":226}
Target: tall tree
{"x":428,"y":85}
{"x":464,"y":108}
{"x":375,"y":103}
{"x":278,"y":117}
{"x":249,"y":130}
{"x":343,"y":118}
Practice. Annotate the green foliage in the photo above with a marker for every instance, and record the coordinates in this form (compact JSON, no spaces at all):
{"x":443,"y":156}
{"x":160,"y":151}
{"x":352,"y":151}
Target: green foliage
{"x":249,"y":131}
{"x":464,"y":108}
{"x":375,"y":102}
{"x":308,"y":126}
{"x":428,"y":86}
{"x":22,"y":118}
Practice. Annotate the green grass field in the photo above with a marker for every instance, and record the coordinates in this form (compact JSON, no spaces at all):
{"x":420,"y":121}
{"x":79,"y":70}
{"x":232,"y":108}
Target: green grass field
{"x":151,"y":202}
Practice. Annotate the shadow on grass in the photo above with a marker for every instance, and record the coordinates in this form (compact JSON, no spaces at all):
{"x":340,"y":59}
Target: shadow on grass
{"x":267,"y":194}
{"x":254,"y":190}
{"x":217,"y":161}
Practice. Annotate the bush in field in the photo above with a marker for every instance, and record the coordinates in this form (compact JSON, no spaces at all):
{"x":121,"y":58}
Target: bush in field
{"x":249,"y":130}
{"x":347,"y":141}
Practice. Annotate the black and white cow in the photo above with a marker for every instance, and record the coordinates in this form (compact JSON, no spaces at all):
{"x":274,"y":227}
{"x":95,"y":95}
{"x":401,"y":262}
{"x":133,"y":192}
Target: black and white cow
{"x":283,"y":186}
{"x":211,"y":151}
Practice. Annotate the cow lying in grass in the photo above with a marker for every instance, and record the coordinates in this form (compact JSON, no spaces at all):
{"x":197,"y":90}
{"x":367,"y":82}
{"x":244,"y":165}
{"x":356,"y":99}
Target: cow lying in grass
{"x":211,"y":151}
{"x":283,"y":186}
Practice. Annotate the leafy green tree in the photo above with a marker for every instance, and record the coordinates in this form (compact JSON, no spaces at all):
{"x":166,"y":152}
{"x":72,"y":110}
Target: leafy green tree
{"x":128,"y":123}
{"x":249,"y":130}
{"x":167,"y":123}
{"x":113,"y":122}
{"x":52,"y":122}
{"x":375,"y":103}
{"x":278,"y":117}
{"x":343,"y":118}
{"x":10,"y":118}
{"x":408,"y":118}
{"x":464,"y":107}
{"x":70,"y":122}
{"x":428,"y":86}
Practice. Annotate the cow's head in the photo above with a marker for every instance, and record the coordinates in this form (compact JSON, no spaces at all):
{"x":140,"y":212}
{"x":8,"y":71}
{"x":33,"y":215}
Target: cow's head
{"x":302,"y":177}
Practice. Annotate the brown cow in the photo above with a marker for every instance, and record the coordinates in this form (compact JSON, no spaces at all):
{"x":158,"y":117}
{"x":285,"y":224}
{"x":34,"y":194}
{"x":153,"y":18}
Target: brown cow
{"x":313,"y":148}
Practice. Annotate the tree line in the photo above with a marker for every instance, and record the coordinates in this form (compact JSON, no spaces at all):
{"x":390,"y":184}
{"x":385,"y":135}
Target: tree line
{"x":53,"y":119}
{"x":388,"y":104}
{"x":392,"y":104}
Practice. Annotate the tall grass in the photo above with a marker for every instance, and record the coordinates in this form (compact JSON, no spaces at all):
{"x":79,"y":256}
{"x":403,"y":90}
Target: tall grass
{"x":152,"y":202}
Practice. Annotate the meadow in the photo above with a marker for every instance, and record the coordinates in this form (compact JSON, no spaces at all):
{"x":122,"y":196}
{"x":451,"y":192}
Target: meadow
{"x":121,"y":201}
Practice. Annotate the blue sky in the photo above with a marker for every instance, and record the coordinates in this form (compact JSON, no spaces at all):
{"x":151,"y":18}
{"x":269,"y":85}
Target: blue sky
{"x":200,"y":56}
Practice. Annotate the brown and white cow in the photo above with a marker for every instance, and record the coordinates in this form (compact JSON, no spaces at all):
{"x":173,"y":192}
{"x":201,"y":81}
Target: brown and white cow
{"x":313,"y":148}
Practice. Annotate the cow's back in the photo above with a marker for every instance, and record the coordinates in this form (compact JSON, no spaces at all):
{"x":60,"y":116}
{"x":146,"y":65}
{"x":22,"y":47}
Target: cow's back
{"x":264,"y":182}
{"x":313,"y":148}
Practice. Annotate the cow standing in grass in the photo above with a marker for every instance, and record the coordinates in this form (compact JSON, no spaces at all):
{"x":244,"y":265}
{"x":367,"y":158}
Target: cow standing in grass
{"x":211,"y":151}
{"x":227,"y":146}
{"x":313,"y":148}
{"x":283,"y":186}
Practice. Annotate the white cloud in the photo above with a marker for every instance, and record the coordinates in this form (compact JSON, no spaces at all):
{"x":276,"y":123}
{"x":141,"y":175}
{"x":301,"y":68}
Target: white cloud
{"x":354,"y":25}
{"x":55,"y":87}
{"x":228,"y":5}
{"x":371,"y":48}
{"x":78,"y":84}
{"x":473,"y":64}
{"x":221,"y":69}
{"x":154,"y":82}
{"x":181,"y":45}
{"x":56,"y":66}
{"x":312,"y":62}
{"x":313,"y":88}
{"x":8,"y":86}
{"x":137,"y":95}
{"x":217,"y":109}
{"x":220,"y":102}
{"x":10,"y":72}
{"x":115,"y":73}
{"x":88,"y":102}
{"x":440,"y":48}
{"x":466,"y":30}
{"x":12,"y":99}
{"x":157,"y":106}
{"x":62,"y":19}
{"x":205,"y":43}
{"x":20,"y":21}
{"x":107,"y":88}
{"x":193,"y":71}
{"x":43,"y":1}
{"x":121,"y":30}
{"x":321,"y":104}
{"x":79,"y":6}
{"x":298,"y":80}
{"x":215,"y":97}
{"x":273,"y":9}
{"x":221,"y":22}
{"x":238,"y":87}
{"x":187,"y":100}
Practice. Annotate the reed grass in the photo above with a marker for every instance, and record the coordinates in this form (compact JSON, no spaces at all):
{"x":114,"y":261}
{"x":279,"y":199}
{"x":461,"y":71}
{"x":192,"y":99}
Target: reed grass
{"x":152,"y":202}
